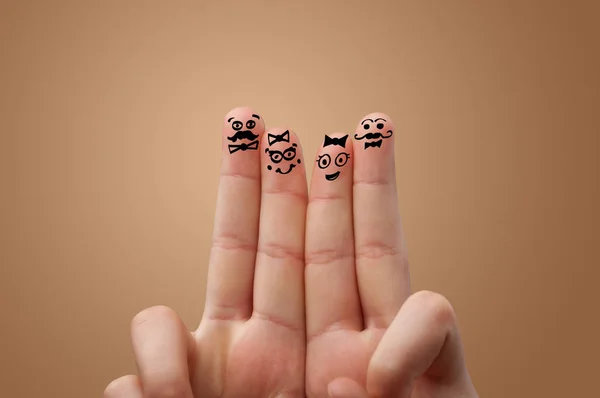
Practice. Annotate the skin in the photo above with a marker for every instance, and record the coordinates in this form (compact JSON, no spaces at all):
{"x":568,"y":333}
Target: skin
{"x":308,"y":294}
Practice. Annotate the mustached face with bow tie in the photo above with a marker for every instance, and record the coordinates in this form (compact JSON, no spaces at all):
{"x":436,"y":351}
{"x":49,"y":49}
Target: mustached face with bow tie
{"x":338,"y":160}
{"x":374,"y":130}
{"x":285,"y":154}
{"x":243,"y":129}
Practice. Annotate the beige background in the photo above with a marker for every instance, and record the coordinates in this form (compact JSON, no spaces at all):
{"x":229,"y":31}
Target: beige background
{"x":110,"y":115}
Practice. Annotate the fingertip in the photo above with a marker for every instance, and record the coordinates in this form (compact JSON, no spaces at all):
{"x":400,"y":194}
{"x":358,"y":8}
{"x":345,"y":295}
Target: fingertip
{"x":374,"y":150}
{"x":245,"y":112}
{"x":373,"y":119}
{"x":242,"y":129}
{"x":375,"y":131}
{"x":282,"y":157}
{"x":334,"y":158}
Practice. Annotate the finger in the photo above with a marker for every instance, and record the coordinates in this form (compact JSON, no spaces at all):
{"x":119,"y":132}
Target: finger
{"x":233,"y":254}
{"x":162,"y":347}
{"x":381,"y":267}
{"x":331,"y":292}
{"x":423,"y":340}
{"x":279,"y":276}
{"x":124,"y":387}
{"x":346,"y":388}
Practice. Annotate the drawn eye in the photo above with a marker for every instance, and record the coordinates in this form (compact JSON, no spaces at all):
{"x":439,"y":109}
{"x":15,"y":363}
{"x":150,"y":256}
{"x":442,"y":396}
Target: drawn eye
{"x":237,"y":125}
{"x":289,"y":154}
{"x":324,"y":161}
{"x":251,"y":123}
{"x":366,"y":126}
{"x":276,"y":156}
{"x":379,"y":126}
{"x":341,"y":159}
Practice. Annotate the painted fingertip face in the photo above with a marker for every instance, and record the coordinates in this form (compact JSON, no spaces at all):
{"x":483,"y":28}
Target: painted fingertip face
{"x":373,"y":129}
{"x":332,"y":163}
{"x":282,"y":153}
{"x":243,"y":130}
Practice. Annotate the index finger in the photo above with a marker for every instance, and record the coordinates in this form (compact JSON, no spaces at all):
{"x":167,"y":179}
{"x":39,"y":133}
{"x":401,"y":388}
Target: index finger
{"x":235,"y":236}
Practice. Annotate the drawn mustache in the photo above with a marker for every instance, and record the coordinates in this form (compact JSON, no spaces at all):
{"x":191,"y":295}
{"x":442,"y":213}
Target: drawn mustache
{"x":243,"y":135}
{"x":373,"y":136}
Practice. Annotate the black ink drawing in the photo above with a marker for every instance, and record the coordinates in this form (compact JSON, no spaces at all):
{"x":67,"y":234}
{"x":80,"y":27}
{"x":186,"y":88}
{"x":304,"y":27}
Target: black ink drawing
{"x":277,"y":156}
{"x":239,"y":134}
{"x":335,"y":141}
{"x":376,"y":137}
{"x":340,"y":160}
{"x":275,"y":138}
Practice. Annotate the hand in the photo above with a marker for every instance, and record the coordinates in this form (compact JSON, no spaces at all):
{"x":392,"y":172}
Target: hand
{"x":364,"y":337}
{"x":251,"y":340}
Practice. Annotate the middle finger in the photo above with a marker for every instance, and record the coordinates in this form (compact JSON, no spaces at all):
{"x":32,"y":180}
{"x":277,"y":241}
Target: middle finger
{"x":279,"y":273}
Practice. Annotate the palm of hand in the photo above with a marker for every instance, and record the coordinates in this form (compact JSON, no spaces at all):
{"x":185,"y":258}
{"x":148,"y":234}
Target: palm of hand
{"x":252,"y":359}
{"x":342,"y":353}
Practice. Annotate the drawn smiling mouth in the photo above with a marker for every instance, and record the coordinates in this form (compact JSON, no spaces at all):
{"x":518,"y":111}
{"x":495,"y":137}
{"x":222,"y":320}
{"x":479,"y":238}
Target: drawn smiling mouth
{"x":287,"y":172}
{"x":331,"y":177}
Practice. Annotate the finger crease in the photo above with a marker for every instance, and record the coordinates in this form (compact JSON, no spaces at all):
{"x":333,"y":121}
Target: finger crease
{"x":240,"y":176}
{"x":374,"y":182}
{"x":233,"y":242}
{"x":278,"y":251}
{"x":377,"y":182}
{"x":327,"y":198}
{"x":327,"y":256}
{"x":302,"y":197}
{"x":377,"y":321}
{"x":227,"y":312}
{"x":276,"y":321}
{"x":291,"y":394}
{"x":376,"y":250}
{"x":332,"y":327}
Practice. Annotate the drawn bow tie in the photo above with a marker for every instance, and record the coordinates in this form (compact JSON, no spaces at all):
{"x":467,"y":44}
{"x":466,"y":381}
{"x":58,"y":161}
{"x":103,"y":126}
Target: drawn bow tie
{"x":275,"y":138}
{"x":341,"y":141}
{"x":243,"y":147}
{"x":374,"y":144}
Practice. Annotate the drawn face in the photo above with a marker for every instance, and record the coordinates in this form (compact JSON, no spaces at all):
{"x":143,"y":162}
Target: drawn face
{"x":374,"y":128}
{"x":243,"y":129}
{"x":282,"y":153}
{"x":332,"y":163}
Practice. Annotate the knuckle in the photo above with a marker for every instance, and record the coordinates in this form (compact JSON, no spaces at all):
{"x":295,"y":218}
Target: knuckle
{"x":119,"y":387}
{"x":174,"y":388}
{"x":159,"y":312}
{"x":438,"y":308}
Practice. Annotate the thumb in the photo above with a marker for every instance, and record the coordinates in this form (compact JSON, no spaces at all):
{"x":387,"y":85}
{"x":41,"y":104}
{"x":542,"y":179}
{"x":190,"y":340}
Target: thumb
{"x":422,"y":342}
{"x":346,"y":388}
